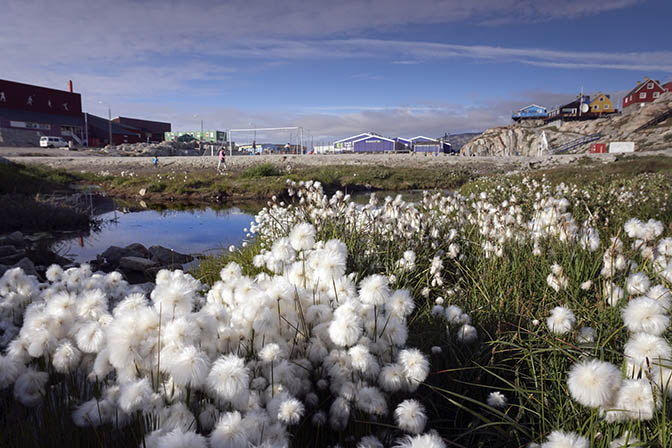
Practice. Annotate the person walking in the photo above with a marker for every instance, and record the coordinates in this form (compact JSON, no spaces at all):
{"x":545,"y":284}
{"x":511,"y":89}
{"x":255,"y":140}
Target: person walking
{"x":156,"y":161}
{"x":222,"y":160}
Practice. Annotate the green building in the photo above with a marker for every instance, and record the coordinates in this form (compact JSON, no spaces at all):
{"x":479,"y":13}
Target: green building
{"x":208,"y":136}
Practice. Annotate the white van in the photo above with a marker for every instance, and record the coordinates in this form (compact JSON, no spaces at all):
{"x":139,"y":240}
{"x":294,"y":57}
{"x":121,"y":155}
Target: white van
{"x":53,"y":142}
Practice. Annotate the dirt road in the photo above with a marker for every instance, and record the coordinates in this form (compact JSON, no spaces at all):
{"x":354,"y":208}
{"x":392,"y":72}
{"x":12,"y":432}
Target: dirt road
{"x":91,"y":161}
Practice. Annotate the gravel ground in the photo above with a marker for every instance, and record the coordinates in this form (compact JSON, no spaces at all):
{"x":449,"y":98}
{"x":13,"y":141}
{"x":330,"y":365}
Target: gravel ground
{"x":91,"y":161}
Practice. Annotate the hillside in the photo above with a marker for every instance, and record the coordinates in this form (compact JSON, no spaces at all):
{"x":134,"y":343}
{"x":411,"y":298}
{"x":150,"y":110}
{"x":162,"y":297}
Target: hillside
{"x":525,"y":138}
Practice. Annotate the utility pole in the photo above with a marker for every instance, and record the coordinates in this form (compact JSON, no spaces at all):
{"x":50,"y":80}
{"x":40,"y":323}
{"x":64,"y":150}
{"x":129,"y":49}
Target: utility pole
{"x":109,"y":121}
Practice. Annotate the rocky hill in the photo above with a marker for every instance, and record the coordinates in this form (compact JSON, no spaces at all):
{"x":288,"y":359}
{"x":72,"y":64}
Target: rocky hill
{"x":524,"y":138}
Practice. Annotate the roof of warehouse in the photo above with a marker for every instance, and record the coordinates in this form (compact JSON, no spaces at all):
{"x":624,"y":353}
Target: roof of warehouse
{"x":103,"y":125}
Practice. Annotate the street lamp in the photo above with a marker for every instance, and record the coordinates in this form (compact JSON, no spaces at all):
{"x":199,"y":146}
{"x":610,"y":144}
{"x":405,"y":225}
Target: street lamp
{"x":200,"y":140}
{"x":109,"y":120}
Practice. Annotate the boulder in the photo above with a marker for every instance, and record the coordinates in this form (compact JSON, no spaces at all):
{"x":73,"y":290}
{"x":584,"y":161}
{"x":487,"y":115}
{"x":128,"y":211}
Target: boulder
{"x":165,"y":256}
{"x":113,"y":254}
{"x":13,"y":257}
{"x":13,"y":239}
{"x":137,"y":264}
{"x":27,"y":266}
{"x":7,"y":250}
{"x":139,"y":248}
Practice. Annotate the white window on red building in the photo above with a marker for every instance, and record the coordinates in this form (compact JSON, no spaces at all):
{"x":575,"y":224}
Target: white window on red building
{"x":642,"y":95}
{"x":656,"y":94}
{"x":649,"y":86}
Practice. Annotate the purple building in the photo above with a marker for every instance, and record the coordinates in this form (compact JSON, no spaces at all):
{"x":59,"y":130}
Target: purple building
{"x":347,"y":144}
{"x":426,"y":144}
{"x":374,"y":143}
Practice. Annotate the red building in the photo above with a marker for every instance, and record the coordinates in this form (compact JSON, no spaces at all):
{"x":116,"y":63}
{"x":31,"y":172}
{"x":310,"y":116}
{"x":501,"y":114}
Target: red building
{"x":152,"y":131}
{"x":28,"y":112}
{"x":645,"y":92}
{"x":668,"y":86}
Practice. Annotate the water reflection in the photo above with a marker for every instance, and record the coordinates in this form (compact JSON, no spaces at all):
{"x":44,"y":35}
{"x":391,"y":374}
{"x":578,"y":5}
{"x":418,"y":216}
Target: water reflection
{"x":190,"y":231}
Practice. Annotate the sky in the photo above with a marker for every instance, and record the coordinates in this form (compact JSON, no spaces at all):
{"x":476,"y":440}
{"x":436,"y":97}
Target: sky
{"x":334,"y":68}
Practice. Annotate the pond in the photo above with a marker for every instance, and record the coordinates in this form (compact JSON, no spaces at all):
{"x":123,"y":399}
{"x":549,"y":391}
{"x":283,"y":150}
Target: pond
{"x":188,"y":230}
{"x":192,"y":231}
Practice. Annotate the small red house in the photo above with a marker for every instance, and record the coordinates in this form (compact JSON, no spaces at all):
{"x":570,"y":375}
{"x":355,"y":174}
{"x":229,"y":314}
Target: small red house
{"x":668,"y":86}
{"x":645,"y":92}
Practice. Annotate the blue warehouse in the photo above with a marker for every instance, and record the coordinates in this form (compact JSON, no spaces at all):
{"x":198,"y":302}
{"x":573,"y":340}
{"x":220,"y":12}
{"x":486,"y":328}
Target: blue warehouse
{"x":426,"y":144}
{"x":374,"y":143}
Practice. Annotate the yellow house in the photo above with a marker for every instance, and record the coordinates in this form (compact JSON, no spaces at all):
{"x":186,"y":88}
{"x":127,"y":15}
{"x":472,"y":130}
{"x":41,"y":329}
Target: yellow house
{"x":601,"y":104}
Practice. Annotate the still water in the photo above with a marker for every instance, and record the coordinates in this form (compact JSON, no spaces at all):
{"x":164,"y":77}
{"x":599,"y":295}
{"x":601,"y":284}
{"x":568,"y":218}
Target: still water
{"x":191,"y":231}
{"x":195,"y":231}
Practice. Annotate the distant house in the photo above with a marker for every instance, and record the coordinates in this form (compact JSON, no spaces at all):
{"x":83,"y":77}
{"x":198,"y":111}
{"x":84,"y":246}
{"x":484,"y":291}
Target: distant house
{"x":645,"y":92}
{"x":531,"y":112}
{"x":601,"y":104}
{"x":571,"y":111}
{"x":373,"y":143}
{"x":668,"y":86}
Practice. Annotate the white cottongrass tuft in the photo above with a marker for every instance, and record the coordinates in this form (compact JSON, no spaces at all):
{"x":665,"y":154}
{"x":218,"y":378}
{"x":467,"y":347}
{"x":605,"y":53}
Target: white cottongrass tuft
{"x":625,"y":441}
{"x":410,"y":416}
{"x":635,"y":400}
{"x":643,"y":348}
{"x":561,"y":320}
{"x":561,"y":439}
{"x":270,"y":353}
{"x":370,"y":442}
{"x":302,"y":236}
{"x":374,"y":290}
{"x":429,"y":440}
{"x":645,"y":315}
{"x":467,"y":334}
{"x":135,"y":395}
{"x":415,"y":365}
{"x":586,"y":335}
{"x":229,"y":432}
{"x":189,"y":366}
{"x":290,"y":411}
{"x":497,"y":400}
{"x":177,"y":438}
{"x":30,"y":387}
{"x":594,"y":383}
{"x":638,"y":283}
{"x":229,"y":377}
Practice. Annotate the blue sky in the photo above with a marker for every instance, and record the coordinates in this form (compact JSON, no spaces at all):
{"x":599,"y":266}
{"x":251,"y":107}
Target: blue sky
{"x":334,"y":68}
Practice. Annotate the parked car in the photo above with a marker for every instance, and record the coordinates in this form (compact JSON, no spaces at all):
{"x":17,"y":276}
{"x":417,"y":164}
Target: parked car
{"x":53,"y":142}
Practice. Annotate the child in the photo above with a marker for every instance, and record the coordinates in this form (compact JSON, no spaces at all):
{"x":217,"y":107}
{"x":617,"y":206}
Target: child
{"x":222,"y":160}
{"x":156,"y":161}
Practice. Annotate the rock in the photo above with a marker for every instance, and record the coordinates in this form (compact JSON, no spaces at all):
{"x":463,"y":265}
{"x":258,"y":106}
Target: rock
{"x":16,"y":238}
{"x":13,"y":258}
{"x":3,"y":269}
{"x":13,"y":239}
{"x":165,"y":256}
{"x":139,"y":248}
{"x":142,"y":191}
{"x":137,"y":264}
{"x":7,"y":250}
{"x":27,"y":266}
{"x":114,"y":254}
